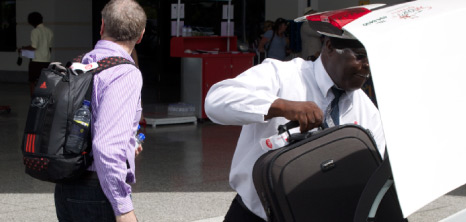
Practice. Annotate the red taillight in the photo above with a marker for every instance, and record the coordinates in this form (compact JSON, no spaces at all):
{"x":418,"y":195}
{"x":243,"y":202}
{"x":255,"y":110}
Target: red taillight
{"x":339,"y":18}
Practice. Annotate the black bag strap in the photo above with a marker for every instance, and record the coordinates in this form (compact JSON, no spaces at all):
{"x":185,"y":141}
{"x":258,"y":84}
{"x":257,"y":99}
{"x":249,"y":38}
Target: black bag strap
{"x":376,"y":188}
{"x":79,"y":58}
{"x":110,"y":62}
{"x":105,"y":63}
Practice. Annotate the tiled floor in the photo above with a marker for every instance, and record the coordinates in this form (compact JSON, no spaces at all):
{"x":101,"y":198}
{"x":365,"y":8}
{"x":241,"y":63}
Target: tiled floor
{"x":182,"y":174}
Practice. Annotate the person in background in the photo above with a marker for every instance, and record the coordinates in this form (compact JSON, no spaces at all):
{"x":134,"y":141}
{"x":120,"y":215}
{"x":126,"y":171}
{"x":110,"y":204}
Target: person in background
{"x":275,"y":43}
{"x":311,"y":40}
{"x":268,"y":25}
{"x":104,"y":193}
{"x":274,"y":92}
{"x":41,"y":44}
{"x":260,"y":56}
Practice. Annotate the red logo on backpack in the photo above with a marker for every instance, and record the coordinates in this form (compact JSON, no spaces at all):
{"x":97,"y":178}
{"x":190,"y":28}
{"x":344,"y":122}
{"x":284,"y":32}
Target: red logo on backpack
{"x":43,"y":86}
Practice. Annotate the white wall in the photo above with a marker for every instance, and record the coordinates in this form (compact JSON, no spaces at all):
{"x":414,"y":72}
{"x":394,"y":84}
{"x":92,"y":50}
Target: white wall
{"x":70,"y":20}
{"x":279,"y":8}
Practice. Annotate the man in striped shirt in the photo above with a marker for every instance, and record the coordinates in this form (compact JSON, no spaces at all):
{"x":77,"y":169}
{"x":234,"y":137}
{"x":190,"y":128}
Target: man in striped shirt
{"x":104,"y":193}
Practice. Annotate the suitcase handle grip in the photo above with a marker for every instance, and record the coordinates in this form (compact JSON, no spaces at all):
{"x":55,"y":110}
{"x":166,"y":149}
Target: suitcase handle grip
{"x":290,"y":125}
{"x":287,"y":127}
{"x":296,"y":136}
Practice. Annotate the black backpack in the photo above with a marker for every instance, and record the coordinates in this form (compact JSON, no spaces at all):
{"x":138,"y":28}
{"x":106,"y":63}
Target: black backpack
{"x":58,"y":94}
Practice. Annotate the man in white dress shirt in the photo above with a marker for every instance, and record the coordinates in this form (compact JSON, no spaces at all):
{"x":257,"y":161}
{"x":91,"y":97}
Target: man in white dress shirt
{"x":275,"y":92}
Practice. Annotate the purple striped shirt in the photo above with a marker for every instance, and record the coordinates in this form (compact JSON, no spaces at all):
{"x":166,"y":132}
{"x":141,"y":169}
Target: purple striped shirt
{"x":116,"y":110}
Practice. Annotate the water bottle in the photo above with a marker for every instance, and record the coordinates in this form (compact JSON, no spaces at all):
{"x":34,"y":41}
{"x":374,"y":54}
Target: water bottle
{"x":137,"y":136}
{"x":79,"y":129}
{"x":140,"y":139}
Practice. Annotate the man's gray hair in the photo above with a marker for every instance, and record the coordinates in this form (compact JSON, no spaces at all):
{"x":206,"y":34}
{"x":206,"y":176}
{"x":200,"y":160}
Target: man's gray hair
{"x":124,"y":20}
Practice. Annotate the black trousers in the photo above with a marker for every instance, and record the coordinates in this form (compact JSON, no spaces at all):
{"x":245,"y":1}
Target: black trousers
{"x":82,"y":201}
{"x":239,"y":213}
{"x":35,"y":68}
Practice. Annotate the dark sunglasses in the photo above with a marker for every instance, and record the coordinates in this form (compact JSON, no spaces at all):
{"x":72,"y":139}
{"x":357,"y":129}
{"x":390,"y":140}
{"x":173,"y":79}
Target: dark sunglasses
{"x":358,"y":56}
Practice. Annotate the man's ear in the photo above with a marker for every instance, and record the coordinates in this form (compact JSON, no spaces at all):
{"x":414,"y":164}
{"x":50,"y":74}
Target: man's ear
{"x":140,"y":37}
{"x":328,"y":44}
{"x":102,"y":27}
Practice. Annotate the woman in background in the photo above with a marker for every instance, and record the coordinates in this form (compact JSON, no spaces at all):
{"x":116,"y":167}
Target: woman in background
{"x":274,"y":42}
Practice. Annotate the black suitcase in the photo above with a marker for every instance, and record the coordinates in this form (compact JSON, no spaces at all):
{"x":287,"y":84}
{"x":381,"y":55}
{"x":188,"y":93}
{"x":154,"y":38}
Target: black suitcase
{"x":335,"y":174}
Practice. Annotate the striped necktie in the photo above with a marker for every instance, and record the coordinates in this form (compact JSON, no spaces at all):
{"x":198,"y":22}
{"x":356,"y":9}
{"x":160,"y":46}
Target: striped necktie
{"x":332,"y":114}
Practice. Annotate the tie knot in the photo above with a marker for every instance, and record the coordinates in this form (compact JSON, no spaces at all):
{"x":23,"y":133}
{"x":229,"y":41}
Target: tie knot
{"x":337,"y":92}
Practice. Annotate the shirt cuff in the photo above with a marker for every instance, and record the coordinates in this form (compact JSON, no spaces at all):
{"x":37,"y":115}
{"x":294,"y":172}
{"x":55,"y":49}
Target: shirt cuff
{"x":123,"y":205}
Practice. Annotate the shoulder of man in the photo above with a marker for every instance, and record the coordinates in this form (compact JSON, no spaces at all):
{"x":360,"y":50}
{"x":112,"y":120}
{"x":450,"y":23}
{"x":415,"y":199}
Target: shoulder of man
{"x":286,"y":68}
{"x":48,"y":29}
{"x":364,"y":99}
{"x":122,"y":66}
{"x":108,"y":68}
{"x":295,"y":62}
{"x":35,"y":30}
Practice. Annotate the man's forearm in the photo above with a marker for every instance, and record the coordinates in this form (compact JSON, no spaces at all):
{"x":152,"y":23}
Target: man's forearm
{"x":276,"y":109}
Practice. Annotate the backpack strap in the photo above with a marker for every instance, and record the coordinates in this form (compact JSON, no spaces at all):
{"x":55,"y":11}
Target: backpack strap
{"x":110,"y":62}
{"x":79,"y":58}
{"x":104,"y":64}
